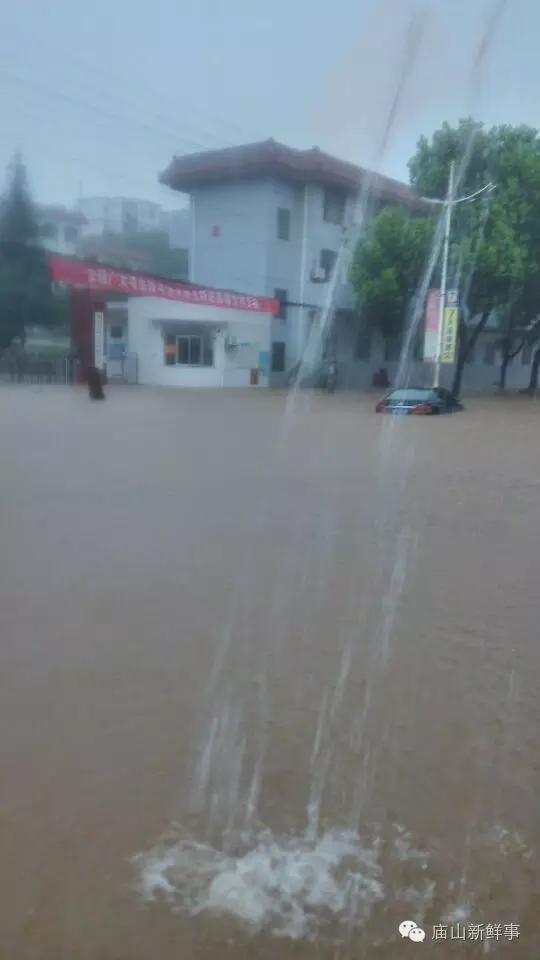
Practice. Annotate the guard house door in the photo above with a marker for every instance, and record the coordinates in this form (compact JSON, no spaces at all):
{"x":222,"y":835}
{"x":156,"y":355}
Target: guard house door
{"x":116,"y":345}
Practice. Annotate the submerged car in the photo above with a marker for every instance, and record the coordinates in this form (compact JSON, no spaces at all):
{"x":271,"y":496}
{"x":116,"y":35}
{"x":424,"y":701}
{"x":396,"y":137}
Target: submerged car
{"x":419,"y":400}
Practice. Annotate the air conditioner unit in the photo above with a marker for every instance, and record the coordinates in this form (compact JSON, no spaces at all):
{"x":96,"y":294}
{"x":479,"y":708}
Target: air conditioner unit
{"x":318,"y":275}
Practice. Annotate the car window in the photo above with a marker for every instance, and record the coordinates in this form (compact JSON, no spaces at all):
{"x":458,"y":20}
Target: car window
{"x":411,"y":394}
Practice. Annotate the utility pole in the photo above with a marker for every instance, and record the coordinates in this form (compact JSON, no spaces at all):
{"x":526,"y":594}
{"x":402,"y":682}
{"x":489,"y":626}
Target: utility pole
{"x":444,"y":274}
{"x":449,"y":204}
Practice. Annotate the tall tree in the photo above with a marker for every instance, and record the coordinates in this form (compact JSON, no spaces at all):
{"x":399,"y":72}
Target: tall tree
{"x":496,"y":241}
{"x":535,"y":370}
{"x":387,"y":266}
{"x":25,"y":287}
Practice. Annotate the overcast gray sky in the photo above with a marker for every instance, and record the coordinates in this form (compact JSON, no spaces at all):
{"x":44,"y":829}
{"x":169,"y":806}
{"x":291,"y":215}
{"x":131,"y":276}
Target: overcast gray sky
{"x":99,"y":96}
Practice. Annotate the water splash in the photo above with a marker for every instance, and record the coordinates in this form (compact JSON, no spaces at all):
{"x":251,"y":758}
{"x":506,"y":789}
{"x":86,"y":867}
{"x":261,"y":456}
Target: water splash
{"x":288,"y":887}
{"x":325,"y":889}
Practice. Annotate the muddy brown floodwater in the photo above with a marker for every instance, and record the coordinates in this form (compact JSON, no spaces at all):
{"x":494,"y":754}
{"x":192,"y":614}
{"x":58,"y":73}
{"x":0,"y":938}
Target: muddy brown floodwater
{"x":134,"y":532}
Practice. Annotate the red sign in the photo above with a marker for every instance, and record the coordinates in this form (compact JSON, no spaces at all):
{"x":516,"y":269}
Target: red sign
{"x":82,"y":275}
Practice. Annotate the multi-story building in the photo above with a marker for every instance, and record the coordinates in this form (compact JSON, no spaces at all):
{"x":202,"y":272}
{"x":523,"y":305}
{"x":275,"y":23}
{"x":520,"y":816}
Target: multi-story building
{"x":114,"y":215}
{"x":136,"y":234}
{"x":59,"y":228}
{"x":271,"y":219}
{"x":120,"y":215}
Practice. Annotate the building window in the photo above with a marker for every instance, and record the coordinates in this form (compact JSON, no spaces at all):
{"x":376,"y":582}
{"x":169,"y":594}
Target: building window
{"x":116,"y":332}
{"x":363,"y":345}
{"x":188,"y":350}
{"x":283,"y":223}
{"x":327,"y":262}
{"x":278,"y":357}
{"x":70,"y":234}
{"x":48,"y":231}
{"x":282,"y":296}
{"x":334,"y":206}
{"x":489,"y":353}
{"x":526,"y":354}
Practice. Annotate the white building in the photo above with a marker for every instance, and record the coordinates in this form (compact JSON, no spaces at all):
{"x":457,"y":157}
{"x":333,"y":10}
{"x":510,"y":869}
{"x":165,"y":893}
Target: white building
{"x":59,"y":228}
{"x":269,"y":218}
{"x":149,"y":330}
{"x":183,"y":345}
{"x":122,"y":215}
{"x":119,"y":215}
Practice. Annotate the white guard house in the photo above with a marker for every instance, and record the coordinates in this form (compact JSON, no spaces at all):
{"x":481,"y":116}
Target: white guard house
{"x":151,"y":330}
{"x":185,"y":345}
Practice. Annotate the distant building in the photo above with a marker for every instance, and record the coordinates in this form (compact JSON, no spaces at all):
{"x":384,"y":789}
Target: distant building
{"x":269,"y":218}
{"x":177,"y":224}
{"x":59,"y":228}
{"x":135,"y":234}
{"x":116,"y":215}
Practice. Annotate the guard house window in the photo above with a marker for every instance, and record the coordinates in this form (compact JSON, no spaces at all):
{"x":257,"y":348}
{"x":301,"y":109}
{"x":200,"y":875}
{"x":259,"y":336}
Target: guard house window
{"x":116,"y":332}
{"x":70,"y":234}
{"x":281,"y":295}
{"x":188,"y":350}
{"x":283,"y":223}
{"x":334,"y":206}
{"x":278,"y":357}
{"x":327,"y":262}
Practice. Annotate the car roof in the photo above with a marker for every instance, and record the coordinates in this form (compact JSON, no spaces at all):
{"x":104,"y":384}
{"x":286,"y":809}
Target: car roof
{"x":414,"y":389}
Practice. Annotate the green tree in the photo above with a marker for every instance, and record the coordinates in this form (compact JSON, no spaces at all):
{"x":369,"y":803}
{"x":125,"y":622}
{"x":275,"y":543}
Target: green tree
{"x":496,"y":241}
{"x":467,"y":145}
{"x":25,"y":287}
{"x":520,"y":325}
{"x":387,"y":266}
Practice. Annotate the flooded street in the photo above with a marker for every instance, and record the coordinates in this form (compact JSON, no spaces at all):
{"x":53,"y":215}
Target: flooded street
{"x":361,"y":596}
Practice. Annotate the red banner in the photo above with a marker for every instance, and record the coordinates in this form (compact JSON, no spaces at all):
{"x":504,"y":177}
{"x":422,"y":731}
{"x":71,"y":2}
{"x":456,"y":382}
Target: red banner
{"x":85,"y":276}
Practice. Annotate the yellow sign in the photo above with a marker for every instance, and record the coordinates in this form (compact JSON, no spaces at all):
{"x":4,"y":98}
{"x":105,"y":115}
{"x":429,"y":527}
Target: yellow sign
{"x":449,"y":339}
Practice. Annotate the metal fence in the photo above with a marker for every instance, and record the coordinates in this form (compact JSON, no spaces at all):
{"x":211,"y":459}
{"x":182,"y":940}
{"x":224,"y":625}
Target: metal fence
{"x":37,"y":370}
{"x":58,"y":370}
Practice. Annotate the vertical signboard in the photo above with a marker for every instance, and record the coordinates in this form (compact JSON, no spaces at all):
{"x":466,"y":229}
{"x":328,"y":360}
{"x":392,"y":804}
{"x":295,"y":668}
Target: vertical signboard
{"x":99,"y":356}
{"x":433,"y":341}
{"x":449,"y":338}
{"x":431,"y":335}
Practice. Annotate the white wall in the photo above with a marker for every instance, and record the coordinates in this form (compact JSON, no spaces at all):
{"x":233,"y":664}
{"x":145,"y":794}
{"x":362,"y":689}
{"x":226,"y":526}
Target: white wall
{"x":237,"y":257}
{"x":145,"y":338}
{"x":248,"y":255}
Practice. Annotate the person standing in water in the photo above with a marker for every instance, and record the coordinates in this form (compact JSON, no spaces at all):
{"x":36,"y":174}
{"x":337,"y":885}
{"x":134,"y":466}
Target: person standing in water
{"x":95,"y":384}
